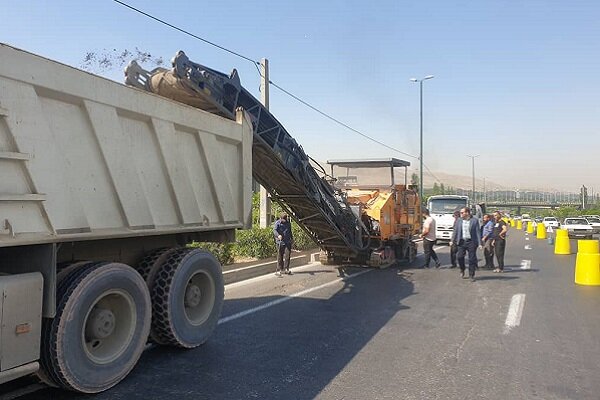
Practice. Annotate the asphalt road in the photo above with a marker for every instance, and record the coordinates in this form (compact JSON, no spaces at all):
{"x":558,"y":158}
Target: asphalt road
{"x":398,"y":333}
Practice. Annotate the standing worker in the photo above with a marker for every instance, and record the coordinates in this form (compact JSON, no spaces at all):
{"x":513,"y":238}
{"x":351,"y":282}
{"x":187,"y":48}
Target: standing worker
{"x":467,"y":236}
{"x":283,"y":239}
{"x":487,"y":239}
{"x":500,"y":229}
{"x":428,"y":237}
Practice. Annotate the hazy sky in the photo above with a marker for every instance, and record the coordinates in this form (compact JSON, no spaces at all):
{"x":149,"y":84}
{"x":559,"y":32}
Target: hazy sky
{"x":515,"y":81}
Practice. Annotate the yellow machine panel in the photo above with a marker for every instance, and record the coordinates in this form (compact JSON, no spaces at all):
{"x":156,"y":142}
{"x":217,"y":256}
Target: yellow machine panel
{"x":396,"y":210}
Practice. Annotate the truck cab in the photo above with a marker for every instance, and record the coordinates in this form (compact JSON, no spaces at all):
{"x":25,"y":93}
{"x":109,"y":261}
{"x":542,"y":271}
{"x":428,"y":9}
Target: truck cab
{"x":442,"y":210}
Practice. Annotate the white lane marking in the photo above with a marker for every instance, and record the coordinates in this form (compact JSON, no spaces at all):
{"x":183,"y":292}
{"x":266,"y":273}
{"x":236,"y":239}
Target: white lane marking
{"x":527,"y":247}
{"x":525,"y":264}
{"x":515,"y":310}
{"x":526,"y":238}
{"x":290,"y":297}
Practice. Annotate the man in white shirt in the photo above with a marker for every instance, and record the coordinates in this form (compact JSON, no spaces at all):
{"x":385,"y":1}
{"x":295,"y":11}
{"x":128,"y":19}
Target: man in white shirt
{"x":428,"y":237}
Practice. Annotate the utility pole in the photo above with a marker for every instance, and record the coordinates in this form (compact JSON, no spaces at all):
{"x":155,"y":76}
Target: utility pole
{"x":484,"y":191}
{"x":420,"y":81}
{"x":265,"y":201}
{"x":473,"y":171}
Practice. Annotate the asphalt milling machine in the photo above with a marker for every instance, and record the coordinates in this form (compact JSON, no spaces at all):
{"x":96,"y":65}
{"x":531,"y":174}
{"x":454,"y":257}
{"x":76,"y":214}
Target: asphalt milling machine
{"x":375,"y":226}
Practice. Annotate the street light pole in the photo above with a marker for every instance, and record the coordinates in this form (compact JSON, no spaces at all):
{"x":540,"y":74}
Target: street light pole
{"x":473,"y":170}
{"x":421,"y":131}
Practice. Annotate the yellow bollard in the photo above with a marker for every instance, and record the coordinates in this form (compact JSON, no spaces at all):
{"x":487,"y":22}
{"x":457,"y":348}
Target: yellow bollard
{"x":512,"y":223}
{"x":519,"y":225}
{"x":530,"y":227}
{"x":588,"y":246}
{"x":541,"y":231}
{"x":561,"y":243}
{"x":587,"y":265}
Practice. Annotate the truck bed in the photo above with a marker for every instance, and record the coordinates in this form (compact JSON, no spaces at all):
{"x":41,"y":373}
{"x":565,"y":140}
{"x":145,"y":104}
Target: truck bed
{"x":83,"y":157}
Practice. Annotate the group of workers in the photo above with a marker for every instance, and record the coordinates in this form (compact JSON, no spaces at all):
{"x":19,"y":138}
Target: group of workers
{"x":467,"y":236}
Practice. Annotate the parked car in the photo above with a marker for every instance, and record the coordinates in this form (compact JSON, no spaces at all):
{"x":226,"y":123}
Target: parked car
{"x":594,"y":222}
{"x":551,"y":221}
{"x":538,"y":219}
{"x":578,"y":228}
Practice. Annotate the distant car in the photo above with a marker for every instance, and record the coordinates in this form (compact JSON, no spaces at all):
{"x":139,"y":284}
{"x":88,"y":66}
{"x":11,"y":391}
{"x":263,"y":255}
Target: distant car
{"x":551,"y":222}
{"x":538,"y":219}
{"x":578,"y":228}
{"x":594,"y":222}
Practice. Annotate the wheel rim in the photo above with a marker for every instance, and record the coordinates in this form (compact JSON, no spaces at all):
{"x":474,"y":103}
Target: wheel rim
{"x":199,"y":298}
{"x":109,"y":326}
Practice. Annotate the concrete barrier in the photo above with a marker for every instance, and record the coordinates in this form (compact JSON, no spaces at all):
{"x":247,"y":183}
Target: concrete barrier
{"x":587,"y":264}
{"x":243,"y":271}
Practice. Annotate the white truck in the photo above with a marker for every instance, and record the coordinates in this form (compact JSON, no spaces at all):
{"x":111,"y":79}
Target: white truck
{"x":441,"y":208}
{"x":101,"y":187}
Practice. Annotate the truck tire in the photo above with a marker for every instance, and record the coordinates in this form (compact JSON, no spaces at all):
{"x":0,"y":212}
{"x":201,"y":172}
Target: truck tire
{"x":187,"y":297}
{"x":151,"y":262}
{"x":147,"y":268}
{"x":100,"y":328}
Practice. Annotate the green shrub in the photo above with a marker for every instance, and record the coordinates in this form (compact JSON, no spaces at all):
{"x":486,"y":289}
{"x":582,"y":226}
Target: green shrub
{"x":256,"y":242}
{"x":301,"y":239}
{"x":222,"y":251}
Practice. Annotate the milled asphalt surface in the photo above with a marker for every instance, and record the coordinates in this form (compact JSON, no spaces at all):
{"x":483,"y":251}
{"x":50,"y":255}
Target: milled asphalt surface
{"x":390,"y":334}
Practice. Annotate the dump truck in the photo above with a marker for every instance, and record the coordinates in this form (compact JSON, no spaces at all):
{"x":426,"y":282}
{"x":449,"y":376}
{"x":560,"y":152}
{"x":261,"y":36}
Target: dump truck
{"x":101,"y":188}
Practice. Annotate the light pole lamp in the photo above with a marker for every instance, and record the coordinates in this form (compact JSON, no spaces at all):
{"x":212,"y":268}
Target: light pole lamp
{"x":473,"y":173}
{"x":420,"y":81}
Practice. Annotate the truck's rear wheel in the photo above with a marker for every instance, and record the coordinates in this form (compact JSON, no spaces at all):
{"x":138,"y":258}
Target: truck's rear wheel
{"x":187,"y":297}
{"x":100,"y":329}
{"x":148,"y":267}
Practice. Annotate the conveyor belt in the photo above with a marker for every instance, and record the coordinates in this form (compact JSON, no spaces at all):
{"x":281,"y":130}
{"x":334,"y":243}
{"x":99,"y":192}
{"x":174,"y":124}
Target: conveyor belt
{"x":278,"y":162}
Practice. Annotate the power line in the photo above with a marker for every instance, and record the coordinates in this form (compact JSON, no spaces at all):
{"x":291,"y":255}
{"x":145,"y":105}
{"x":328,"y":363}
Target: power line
{"x":256,"y":64}
{"x":338,"y":121}
{"x":185,"y":32}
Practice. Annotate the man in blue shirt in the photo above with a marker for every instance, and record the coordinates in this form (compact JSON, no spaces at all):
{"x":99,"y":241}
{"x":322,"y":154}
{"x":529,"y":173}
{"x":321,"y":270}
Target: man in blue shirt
{"x":282,"y":230}
{"x":487,"y":239}
{"x":467,"y":237}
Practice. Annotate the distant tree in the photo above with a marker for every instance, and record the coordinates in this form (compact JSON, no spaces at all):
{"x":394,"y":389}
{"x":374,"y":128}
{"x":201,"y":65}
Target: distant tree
{"x":414,"y":179}
{"x":442,"y":189}
{"x":436,"y":188}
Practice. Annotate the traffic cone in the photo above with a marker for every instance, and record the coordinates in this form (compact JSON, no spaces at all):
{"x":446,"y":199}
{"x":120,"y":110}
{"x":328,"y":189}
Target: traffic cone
{"x":587,"y":265}
{"x":541,"y":231}
{"x":519,"y":225}
{"x":561,"y":243}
